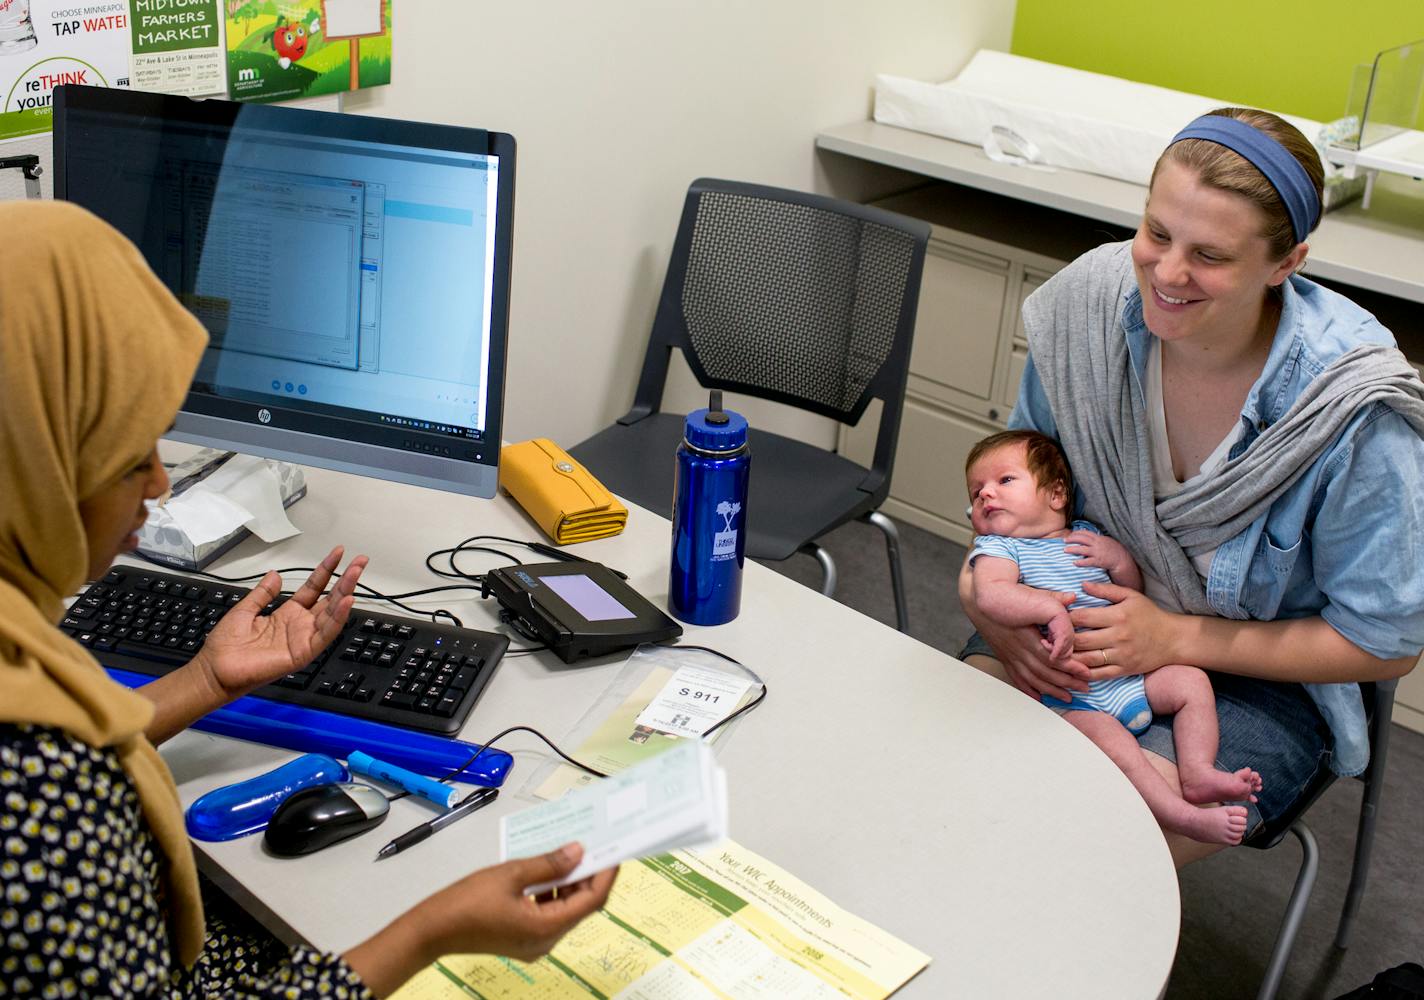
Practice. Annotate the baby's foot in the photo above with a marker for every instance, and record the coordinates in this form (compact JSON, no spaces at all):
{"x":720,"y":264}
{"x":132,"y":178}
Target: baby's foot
{"x":1212,"y":785}
{"x":1217,"y":825}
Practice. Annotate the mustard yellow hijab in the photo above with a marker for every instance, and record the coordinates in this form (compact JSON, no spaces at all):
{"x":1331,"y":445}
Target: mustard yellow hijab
{"x":95,"y":357}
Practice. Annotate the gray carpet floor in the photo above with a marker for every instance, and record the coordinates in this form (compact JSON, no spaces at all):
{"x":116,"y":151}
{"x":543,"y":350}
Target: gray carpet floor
{"x":1232,"y":903}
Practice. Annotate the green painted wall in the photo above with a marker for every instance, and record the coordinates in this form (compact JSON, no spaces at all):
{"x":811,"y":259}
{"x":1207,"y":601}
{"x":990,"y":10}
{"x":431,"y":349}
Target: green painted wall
{"x":1295,"y":56}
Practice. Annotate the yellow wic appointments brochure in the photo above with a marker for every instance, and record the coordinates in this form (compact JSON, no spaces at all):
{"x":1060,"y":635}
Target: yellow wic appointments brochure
{"x":718,"y":923}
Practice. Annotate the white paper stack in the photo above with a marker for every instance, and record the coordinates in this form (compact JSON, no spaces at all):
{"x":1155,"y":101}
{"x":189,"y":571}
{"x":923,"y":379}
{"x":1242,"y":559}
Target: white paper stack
{"x":677,"y":799}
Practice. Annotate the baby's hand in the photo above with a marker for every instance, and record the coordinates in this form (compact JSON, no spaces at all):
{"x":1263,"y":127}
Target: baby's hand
{"x":1093,"y":549}
{"x":1060,"y":636}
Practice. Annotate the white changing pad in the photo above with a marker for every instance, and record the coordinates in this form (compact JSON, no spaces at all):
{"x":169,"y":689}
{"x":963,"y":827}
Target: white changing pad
{"x":1080,"y":120}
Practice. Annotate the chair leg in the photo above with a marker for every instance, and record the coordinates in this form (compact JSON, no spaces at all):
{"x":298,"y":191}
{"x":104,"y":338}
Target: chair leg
{"x":1364,"y":841}
{"x":828,"y":567}
{"x":1295,"y":911}
{"x":1365,"y":834}
{"x":897,"y":577}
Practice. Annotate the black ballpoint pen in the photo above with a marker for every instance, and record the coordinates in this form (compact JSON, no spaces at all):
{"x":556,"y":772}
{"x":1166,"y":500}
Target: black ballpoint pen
{"x":477,"y":799}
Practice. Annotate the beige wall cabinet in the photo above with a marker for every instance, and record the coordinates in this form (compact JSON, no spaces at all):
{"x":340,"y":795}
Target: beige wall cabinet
{"x":986,"y":254}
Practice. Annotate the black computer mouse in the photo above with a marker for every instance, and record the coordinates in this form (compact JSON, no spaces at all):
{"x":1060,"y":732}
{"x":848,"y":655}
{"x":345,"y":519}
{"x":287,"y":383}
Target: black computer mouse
{"x":322,"y":815}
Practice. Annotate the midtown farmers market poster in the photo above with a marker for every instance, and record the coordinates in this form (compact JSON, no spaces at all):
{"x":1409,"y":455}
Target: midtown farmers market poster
{"x":283,"y":49}
{"x":177,"y":47}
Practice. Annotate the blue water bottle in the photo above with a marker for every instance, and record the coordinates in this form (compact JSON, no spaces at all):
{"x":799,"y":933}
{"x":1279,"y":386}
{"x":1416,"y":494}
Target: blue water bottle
{"x":709,"y":512}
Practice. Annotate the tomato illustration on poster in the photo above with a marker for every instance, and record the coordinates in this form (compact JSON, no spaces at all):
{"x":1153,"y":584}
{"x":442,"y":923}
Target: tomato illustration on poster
{"x":283,"y":49}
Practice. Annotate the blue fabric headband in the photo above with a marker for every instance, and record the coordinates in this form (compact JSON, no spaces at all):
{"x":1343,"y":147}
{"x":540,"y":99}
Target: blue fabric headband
{"x":1267,"y":155}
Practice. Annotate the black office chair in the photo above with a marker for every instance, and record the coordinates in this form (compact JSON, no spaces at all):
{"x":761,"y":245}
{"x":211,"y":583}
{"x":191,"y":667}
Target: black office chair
{"x":1379,"y":707}
{"x":797,"y":298}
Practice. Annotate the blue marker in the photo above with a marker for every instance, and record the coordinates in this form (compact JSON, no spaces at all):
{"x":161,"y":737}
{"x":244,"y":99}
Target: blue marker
{"x":408,"y":781}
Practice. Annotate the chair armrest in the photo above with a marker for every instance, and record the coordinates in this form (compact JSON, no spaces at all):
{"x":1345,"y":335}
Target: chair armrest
{"x":635,"y":414}
{"x":872,"y":482}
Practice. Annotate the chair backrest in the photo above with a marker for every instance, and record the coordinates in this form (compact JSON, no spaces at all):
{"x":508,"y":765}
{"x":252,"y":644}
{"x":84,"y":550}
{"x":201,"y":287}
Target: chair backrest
{"x":794,"y":297}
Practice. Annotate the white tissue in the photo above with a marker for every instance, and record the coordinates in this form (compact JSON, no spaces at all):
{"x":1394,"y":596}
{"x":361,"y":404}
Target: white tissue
{"x":244,"y":493}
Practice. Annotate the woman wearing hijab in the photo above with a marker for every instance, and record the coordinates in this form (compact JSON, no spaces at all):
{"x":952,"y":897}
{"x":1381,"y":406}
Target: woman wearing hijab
{"x":99,"y":895}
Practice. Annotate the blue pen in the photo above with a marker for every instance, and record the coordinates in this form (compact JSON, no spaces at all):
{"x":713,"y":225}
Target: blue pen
{"x":442,"y":795}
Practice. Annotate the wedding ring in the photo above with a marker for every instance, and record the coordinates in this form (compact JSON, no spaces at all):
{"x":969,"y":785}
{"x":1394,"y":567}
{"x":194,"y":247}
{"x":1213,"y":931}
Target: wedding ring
{"x":1104,"y":654}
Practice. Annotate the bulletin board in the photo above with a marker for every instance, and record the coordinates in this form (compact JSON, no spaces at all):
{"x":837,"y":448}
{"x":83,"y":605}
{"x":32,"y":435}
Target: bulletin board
{"x":260,"y":50}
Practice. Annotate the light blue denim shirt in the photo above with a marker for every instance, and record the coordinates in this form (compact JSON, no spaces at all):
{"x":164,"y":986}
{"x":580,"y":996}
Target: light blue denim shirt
{"x":1346,"y":540}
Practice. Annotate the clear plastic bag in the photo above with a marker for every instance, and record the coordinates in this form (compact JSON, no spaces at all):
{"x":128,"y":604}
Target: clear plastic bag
{"x":662,"y":695}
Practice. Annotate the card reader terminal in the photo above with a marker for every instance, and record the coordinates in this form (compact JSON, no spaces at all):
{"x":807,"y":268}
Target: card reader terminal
{"x":577,"y":609}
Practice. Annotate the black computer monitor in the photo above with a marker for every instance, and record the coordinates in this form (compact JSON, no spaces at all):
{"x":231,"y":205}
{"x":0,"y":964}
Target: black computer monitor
{"x":353,"y":273}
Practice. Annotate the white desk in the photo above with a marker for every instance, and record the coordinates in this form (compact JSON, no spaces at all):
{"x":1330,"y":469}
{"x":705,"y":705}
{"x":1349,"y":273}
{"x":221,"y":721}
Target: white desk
{"x":1381,"y":249}
{"x":912,"y":790}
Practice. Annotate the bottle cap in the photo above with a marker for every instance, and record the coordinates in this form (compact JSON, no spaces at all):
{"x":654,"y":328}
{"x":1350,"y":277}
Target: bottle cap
{"x":715,"y":429}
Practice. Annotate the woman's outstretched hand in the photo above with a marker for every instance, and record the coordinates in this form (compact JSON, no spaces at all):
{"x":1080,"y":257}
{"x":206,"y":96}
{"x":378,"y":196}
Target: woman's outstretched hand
{"x":247,"y":649}
{"x":1131,"y":636}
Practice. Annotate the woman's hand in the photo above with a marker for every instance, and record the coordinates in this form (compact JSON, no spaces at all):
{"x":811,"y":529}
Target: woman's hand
{"x":1021,"y":649}
{"x":1132,"y":636}
{"x":247,"y":649}
{"x":489,"y":912}
{"x":1027,"y":659}
{"x":483,"y":913}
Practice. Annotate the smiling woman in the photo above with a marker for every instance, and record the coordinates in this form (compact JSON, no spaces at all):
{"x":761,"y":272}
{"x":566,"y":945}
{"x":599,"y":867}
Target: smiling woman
{"x":1256,"y":443}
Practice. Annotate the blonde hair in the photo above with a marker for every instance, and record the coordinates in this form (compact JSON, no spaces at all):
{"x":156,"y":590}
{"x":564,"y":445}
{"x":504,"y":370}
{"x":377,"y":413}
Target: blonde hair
{"x":1221,"y":168}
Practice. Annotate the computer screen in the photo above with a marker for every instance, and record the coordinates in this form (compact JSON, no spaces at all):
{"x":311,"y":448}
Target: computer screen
{"x":353,"y":273}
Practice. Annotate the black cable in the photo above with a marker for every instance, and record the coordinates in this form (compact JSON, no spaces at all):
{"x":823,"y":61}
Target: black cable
{"x":745,"y":708}
{"x":584,"y":767}
{"x":512,"y":621}
{"x":455,"y":573}
{"x":363,"y":589}
{"x":474,"y":581}
{"x":489,"y":745}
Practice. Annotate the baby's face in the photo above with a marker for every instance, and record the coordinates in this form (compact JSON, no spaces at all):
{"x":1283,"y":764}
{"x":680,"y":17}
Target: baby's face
{"x":1006,"y":500}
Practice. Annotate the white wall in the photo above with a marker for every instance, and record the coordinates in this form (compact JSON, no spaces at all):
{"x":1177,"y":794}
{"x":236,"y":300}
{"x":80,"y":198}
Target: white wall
{"x":618,"y":105}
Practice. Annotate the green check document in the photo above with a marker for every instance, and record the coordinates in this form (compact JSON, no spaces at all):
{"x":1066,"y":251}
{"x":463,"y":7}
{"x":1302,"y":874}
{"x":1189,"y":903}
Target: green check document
{"x":676,"y":799}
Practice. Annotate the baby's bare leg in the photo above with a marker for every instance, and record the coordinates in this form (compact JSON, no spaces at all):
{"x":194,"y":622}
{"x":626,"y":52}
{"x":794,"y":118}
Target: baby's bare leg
{"x":1215,"y":825}
{"x":1185,"y":692}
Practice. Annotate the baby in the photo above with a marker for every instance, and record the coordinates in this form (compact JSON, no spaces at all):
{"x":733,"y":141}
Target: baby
{"x":1027,"y":562}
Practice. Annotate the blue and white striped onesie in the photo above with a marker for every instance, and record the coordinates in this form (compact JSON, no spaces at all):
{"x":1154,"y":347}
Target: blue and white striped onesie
{"x":1043,"y":564}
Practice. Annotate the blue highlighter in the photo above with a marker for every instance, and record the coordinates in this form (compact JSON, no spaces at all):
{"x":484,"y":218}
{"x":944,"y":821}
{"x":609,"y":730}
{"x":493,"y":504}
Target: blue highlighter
{"x":443,"y":795}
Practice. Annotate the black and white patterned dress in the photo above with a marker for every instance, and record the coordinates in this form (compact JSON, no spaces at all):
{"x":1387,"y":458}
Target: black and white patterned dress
{"x":81,"y":897}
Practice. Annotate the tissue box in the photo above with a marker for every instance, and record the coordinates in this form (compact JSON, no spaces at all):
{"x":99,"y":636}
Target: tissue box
{"x":162,"y":540}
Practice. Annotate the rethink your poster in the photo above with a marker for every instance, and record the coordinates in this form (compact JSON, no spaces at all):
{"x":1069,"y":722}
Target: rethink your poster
{"x":45,"y":43}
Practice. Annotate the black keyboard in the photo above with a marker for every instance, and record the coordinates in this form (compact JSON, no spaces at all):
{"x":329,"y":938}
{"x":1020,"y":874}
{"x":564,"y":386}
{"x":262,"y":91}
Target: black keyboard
{"x":383,"y":667}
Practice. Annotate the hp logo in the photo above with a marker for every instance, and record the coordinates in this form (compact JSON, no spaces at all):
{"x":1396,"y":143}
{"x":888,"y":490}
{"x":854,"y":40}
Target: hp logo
{"x":264,"y":415}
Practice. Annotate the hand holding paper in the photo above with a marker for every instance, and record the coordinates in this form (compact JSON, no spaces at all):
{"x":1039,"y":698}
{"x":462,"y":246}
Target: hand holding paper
{"x":677,"y":799}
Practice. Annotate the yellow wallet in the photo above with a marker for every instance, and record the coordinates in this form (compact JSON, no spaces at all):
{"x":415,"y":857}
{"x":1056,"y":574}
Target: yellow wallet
{"x":560,"y":495}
